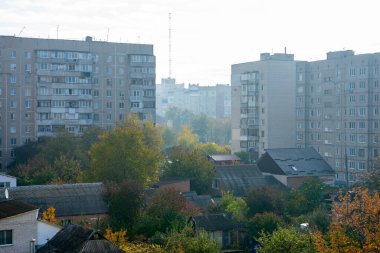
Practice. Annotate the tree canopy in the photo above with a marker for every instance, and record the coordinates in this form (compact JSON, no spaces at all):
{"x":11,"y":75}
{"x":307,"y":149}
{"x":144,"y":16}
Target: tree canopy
{"x":130,"y":151}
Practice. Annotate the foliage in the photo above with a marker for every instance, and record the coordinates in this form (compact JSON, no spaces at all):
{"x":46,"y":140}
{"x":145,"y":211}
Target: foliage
{"x":266,"y":199}
{"x":186,"y":241}
{"x":130,"y":151}
{"x":355,"y":226}
{"x":166,"y":211}
{"x":286,"y":240}
{"x":119,"y":238}
{"x":24,"y":154}
{"x":372,"y":180}
{"x":186,"y":139}
{"x":235,"y":206}
{"x":319,"y":220}
{"x":263,"y":223}
{"x":191,"y":165}
{"x":244,"y":157}
{"x":68,"y":170}
{"x":210,"y":148}
{"x":49,"y":215}
{"x":125,"y":202}
{"x":35,"y":172}
{"x":169,"y":137}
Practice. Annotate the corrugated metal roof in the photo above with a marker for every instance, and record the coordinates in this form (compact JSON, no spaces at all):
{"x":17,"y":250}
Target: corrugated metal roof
{"x":201,"y":201}
{"x":241,"y":178}
{"x":214,"y":222}
{"x":76,"y":239}
{"x":294,"y":162}
{"x":221,"y":158}
{"x":67,"y":199}
{"x":9,"y":208}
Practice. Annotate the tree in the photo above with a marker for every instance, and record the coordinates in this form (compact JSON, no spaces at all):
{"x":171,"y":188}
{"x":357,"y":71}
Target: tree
{"x":286,"y":240}
{"x":372,"y":180}
{"x":130,"y":151}
{"x":191,"y":165}
{"x":210,"y":148}
{"x":263,"y":223}
{"x":355,"y":226}
{"x":235,"y":206}
{"x":169,"y":137}
{"x":186,"y":139}
{"x":125,"y":202}
{"x":49,"y":215}
{"x":266,"y":199}
{"x":35,"y":172}
{"x":67,"y":170}
{"x":200,"y":123}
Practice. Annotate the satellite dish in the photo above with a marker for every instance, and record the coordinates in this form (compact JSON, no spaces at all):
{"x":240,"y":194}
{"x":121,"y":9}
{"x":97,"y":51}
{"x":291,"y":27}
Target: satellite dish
{"x":6,"y":193}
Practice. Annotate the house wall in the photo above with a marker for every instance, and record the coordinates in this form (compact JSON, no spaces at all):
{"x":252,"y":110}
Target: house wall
{"x":24,"y":229}
{"x":11,"y":180}
{"x":45,"y":231}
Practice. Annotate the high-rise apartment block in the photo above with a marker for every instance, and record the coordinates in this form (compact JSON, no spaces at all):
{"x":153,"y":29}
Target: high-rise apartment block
{"x":214,"y":101}
{"x":49,"y":85}
{"x":263,"y":104}
{"x":331,"y":105}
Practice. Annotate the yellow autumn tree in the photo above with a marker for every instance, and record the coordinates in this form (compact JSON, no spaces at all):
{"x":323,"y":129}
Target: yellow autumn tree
{"x":356,"y":224}
{"x":49,"y":215}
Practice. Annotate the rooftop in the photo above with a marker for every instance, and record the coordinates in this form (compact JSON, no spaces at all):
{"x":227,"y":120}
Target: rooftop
{"x":9,"y":208}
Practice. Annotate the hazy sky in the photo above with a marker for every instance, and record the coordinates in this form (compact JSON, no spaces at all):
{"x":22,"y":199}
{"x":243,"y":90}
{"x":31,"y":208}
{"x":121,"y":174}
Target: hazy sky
{"x":207,"y":35}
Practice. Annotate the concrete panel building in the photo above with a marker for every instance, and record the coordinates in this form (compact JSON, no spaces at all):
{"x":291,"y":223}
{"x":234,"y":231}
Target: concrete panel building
{"x":263,"y":104}
{"x":338,"y":111}
{"x":49,"y":85}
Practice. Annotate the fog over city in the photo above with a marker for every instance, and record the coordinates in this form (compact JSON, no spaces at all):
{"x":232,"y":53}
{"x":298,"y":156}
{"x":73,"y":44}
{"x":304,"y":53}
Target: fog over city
{"x":207,"y":35}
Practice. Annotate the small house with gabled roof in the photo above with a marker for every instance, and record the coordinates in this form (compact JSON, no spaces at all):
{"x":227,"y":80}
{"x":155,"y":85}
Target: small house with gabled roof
{"x":291,"y":166}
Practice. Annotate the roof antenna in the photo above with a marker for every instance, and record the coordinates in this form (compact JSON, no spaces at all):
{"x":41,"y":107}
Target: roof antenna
{"x":23,"y":28}
{"x":108,"y":32}
{"x":57,"y":30}
{"x":170,"y":44}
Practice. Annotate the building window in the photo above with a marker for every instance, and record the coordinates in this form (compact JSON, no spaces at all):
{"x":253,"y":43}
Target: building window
{"x":108,"y":93}
{"x":13,"y":141}
{"x":6,"y":237}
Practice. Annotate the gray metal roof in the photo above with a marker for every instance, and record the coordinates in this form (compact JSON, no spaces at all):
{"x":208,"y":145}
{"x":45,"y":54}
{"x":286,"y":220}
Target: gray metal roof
{"x":214,"y":222}
{"x":241,"y":178}
{"x":76,"y":239}
{"x":224,"y":158}
{"x":10,"y":208}
{"x":67,"y":199}
{"x":201,"y":201}
{"x":294,"y":162}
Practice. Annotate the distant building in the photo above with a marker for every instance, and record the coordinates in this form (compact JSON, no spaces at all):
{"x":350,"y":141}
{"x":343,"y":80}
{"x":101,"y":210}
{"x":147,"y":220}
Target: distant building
{"x":49,"y":85}
{"x":292,"y":166}
{"x":214,"y":101}
{"x":224,"y":159}
{"x":263,"y":104}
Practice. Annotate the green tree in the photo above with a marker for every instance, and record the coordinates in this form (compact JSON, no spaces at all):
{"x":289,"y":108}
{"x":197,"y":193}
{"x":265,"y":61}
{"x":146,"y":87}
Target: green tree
{"x":263,"y":223}
{"x":169,"y":137}
{"x":372,"y":180}
{"x":186,"y":139}
{"x":130,"y":151}
{"x":235,"y":206}
{"x":125,"y":202}
{"x":200,"y":125}
{"x":286,"y":240}
{"x":210,"y":148}
{"x":266,"y":199}
{"x":35,"y":172}
{"x":191,"y":165}
{"x":67,"y":170}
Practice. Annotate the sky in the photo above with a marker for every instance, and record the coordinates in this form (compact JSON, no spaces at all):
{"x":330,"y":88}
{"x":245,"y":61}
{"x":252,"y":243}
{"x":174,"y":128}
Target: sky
{"x":207,"y":35}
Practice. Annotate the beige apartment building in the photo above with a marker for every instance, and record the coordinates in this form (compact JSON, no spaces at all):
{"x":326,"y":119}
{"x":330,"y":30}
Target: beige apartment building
{"x":49,"y":85}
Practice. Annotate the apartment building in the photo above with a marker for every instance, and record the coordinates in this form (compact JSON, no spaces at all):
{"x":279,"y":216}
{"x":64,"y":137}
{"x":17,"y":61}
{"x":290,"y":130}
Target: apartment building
{"x":263,"y":104}
{"x":331,"y":105}
{"x":49,"y":85}
{"x":214,"y":101}
{"x":338,"y":111}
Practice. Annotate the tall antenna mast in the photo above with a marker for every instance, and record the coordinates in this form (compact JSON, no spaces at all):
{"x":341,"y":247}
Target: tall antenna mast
{"x":57,"y":30}
{"x":170,"y":45}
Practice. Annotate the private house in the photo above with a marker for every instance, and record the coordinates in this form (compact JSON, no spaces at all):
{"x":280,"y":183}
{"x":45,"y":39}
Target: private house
{"x":291,"y":166}
{"x":224,"y":159}
{"x":201,"y":202}
{"x":178,"y":184}
{"x":74,"y":238}
{"x":7,"y":181}
{"x":72,"y":202}
{"x":20,"y":230}
{"x":220,"y":227}
{"x":239,"y":179}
